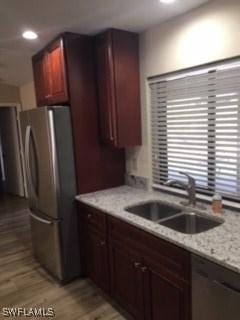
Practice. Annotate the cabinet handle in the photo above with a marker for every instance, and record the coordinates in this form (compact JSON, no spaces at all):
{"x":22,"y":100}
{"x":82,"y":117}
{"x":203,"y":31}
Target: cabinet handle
{"x":136,"y":264}
{"x":112,"y":98}
{"x":110,"y":119}
{"x":144,"y":269}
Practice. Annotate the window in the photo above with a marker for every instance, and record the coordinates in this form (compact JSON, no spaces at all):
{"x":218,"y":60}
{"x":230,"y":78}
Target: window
{"x":195,"y":119}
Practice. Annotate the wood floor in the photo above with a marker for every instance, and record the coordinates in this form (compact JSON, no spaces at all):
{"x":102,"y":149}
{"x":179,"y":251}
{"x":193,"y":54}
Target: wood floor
{"x":23,"y":283}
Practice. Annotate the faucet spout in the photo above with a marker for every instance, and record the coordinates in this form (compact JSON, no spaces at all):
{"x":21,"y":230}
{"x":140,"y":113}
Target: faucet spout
{"x":175,"y":182}
{"x":190,"y":187}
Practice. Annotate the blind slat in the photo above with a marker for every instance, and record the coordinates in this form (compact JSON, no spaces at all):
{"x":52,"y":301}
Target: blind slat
{"x":195,"y":120}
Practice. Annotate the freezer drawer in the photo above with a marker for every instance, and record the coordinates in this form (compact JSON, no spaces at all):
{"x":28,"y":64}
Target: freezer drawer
{"x":46,"y":243}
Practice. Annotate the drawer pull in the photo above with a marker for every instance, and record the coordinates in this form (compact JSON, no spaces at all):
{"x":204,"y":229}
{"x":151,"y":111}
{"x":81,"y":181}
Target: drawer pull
{"x":136,"y":264}
{"x":144,"y":269}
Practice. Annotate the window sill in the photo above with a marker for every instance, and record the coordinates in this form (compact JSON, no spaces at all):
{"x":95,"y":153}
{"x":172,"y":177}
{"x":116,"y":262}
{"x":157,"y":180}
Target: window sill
{"x":207,"y":199}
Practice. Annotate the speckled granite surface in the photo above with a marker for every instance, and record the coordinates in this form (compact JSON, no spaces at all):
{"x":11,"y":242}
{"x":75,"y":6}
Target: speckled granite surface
{"x":220,"y":245}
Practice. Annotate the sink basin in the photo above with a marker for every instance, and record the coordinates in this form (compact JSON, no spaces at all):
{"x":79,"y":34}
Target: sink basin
{"x":190,"y":223}
{"x":153,"y":210}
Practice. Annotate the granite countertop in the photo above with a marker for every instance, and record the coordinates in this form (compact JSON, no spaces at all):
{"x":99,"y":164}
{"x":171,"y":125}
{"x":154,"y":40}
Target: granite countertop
{"x":220,"y":244}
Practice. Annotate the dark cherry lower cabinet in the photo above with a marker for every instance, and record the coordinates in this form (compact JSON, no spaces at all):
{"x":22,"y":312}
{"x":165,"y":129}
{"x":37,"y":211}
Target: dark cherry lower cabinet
{"x":146,"y":276}
{"x":165,"y":297}
{"x":126,"y":279}
{"x":97,"y":261}
{"x":94,"y":249}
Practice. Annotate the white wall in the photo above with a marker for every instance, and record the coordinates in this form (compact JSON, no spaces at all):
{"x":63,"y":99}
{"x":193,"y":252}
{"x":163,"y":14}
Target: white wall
{"x":9,"y":94}
{"x":27,"y":96}
{"x":207,"y":34}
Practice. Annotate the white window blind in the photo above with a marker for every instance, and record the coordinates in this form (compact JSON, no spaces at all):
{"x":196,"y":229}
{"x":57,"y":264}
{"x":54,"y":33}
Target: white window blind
{"x":195,"y":120}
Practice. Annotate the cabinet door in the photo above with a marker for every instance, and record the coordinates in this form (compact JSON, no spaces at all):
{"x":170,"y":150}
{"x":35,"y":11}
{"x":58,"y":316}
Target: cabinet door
{"x":41,"y":79}
{"x":57,"y":73}
{"x":165,"y":298}
{"x":118,"y":87}
{"x":126,"y":279}
{"x":96,"y":258}
{"x":106,"y":88}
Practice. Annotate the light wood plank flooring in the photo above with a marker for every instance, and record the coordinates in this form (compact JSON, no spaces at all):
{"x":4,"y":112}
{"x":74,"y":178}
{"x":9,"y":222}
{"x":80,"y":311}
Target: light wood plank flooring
{"x":23,"y":283}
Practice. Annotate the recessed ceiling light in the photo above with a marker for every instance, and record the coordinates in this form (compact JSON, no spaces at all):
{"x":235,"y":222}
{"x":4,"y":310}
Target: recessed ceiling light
{"x":167,"y":1}
{"x":30,"y":35}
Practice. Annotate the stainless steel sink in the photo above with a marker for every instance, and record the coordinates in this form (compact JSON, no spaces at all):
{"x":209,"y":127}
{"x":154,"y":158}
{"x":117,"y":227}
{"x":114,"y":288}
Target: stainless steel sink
{"x":190,"y":223}
{"x":153,"y":210}
{"x":174,"y":217}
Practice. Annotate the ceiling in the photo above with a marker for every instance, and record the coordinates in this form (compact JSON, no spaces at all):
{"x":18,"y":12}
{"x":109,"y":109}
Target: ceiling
{"x":50,"y":17}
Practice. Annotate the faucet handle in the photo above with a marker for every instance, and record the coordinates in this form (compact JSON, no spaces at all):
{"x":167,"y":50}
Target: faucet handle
{"x":191,"y":180}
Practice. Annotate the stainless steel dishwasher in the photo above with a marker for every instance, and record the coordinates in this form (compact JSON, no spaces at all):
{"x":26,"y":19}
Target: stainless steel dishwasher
{"x":215,"y":291}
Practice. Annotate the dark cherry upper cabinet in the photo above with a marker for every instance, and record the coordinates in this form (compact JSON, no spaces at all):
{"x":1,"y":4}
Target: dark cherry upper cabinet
{"x":65,"y":74}
{"x":41,"y":80}
{"x":49,"y":75}
{"x":57,"y":74}
{"x":117,"y":55}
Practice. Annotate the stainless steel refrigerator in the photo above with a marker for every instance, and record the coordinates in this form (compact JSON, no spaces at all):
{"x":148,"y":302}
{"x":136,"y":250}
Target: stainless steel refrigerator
{"x":50,"y":175}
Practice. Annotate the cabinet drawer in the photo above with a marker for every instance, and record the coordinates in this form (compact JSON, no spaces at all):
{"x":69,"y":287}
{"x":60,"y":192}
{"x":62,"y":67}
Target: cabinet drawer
{"x":124,"y":233}
{"x":93,"y":218}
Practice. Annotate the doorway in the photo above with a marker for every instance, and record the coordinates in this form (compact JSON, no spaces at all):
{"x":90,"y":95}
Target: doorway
{"x":11,"y":165}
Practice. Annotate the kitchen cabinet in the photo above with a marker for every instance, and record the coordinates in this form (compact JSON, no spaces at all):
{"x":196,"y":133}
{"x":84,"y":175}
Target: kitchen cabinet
{"x":126,"y":279}
{"x":157,"y":274}
{"x":56,"y":73}
{"x":96,"y":259}
{"x":149,"y":277}
{"x":41,"y":80}
{"x":165,"y":297}
{"x":118,"y":88}
{"x":94,"y":247}
{"x":65,"y":74}
{"x":49,"y":75}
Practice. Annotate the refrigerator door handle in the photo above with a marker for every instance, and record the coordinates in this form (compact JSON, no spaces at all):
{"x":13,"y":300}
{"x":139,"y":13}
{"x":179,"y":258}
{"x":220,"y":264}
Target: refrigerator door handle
{"x":53,"y":153}
{"x":40,"y":219}
{"x":27,"y":160}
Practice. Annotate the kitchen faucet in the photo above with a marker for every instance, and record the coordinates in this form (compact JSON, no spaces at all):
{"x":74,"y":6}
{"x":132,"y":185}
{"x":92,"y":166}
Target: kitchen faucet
{"x":190,"y":187}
